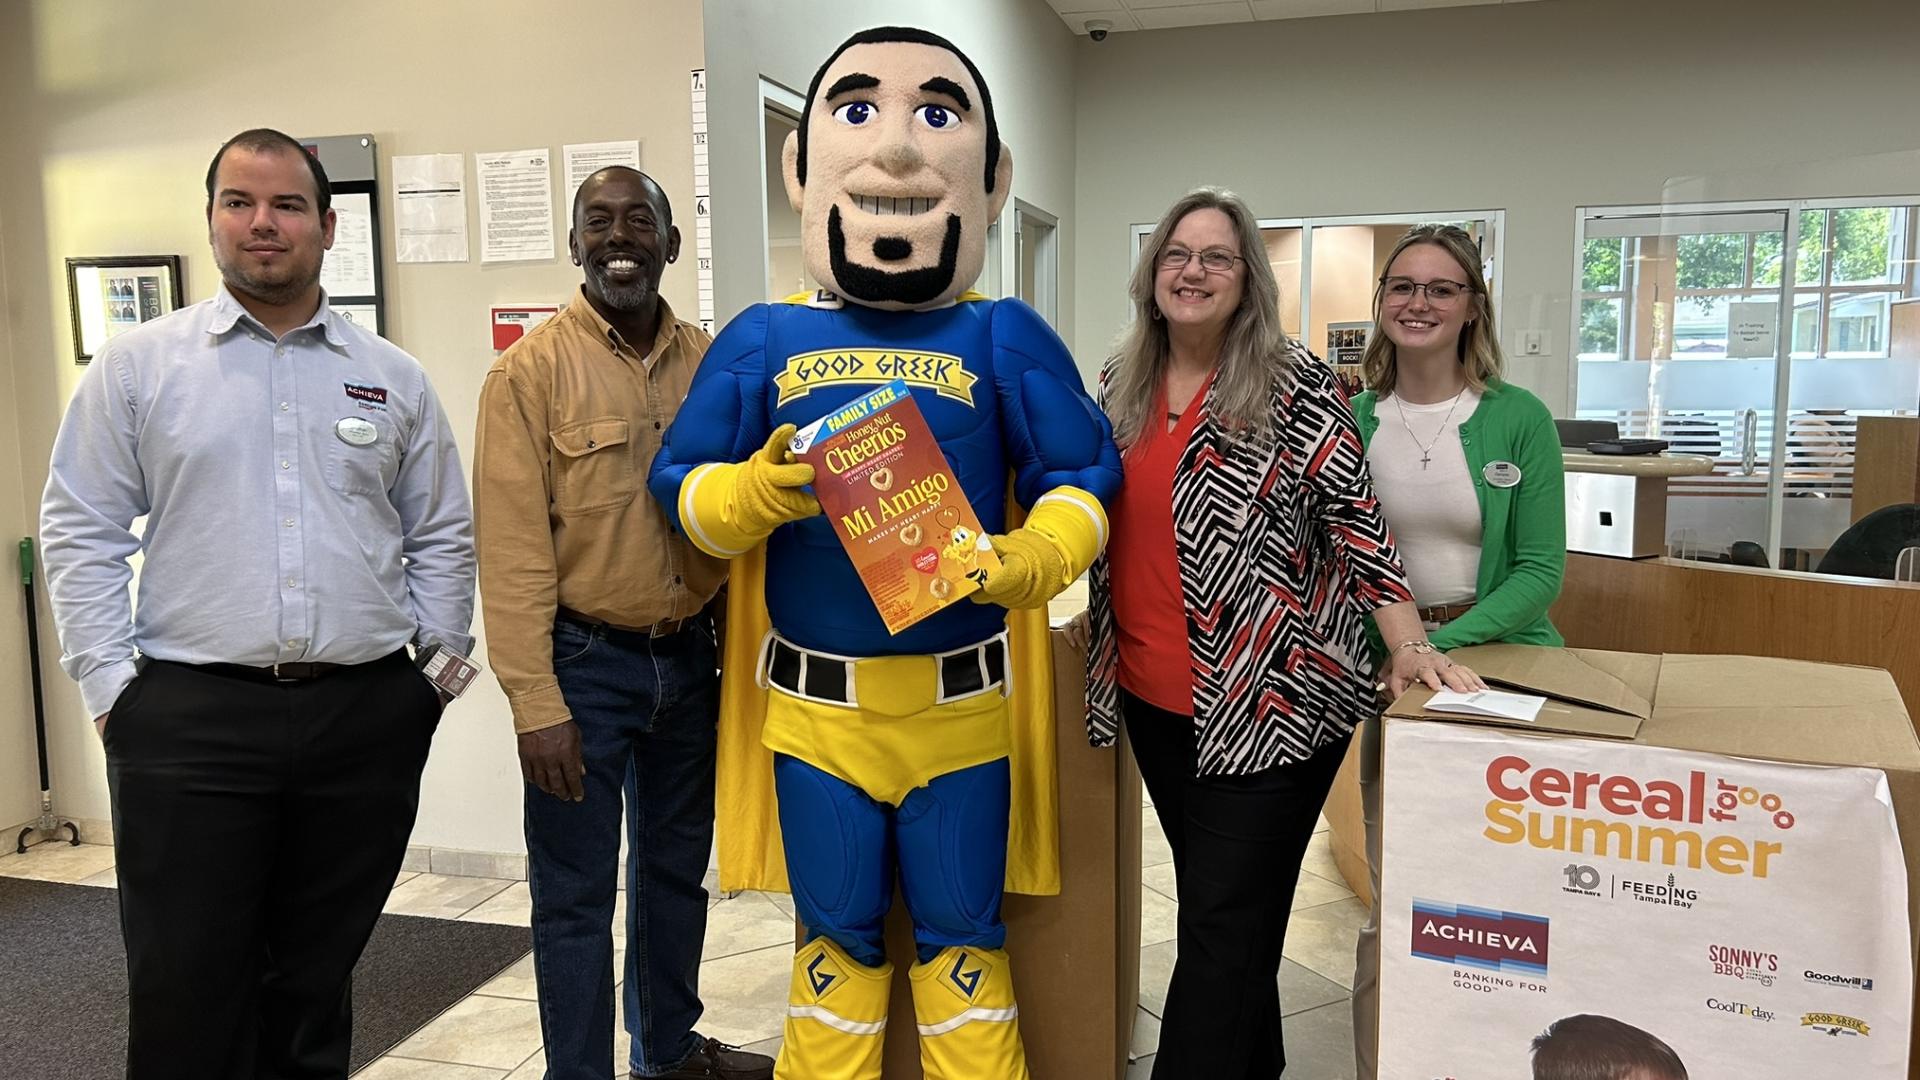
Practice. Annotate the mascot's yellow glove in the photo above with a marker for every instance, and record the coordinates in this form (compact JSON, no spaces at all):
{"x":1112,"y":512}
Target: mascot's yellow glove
{"x":1064,"y":533}
{"x":728,"y":508}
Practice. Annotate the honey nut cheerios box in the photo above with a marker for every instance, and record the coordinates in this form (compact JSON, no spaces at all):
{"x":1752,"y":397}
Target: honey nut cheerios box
{"x":885,"y":486}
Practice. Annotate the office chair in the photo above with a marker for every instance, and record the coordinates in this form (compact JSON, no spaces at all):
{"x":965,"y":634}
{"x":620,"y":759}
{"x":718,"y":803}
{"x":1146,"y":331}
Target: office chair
{"x":1747,"y":553}
{"x":1872,"y":546}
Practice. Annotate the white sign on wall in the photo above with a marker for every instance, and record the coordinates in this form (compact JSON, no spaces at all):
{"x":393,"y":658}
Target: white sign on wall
{"x":1743,"y":917}
{"x":1753,"y":330}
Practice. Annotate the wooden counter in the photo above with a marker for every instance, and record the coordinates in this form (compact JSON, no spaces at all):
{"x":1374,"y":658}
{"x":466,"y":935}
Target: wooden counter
{"x":1680,"y":606}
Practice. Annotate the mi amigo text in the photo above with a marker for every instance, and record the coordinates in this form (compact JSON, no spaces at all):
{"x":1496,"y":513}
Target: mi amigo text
{"x":1515,"y":783}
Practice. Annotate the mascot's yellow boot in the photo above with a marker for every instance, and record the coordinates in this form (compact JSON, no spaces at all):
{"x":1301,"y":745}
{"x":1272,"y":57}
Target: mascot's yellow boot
{"x":836,"y":1017}
{"x":969,"y":1025}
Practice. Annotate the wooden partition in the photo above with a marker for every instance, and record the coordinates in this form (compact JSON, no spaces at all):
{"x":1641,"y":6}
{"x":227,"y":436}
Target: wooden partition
{"x":1679,"y":606}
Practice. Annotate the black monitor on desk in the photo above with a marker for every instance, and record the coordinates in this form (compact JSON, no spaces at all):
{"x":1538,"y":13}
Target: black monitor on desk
{"x":1576,"y":434}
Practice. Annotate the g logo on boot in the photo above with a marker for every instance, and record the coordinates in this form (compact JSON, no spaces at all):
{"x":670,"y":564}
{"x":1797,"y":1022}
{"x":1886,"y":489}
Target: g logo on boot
{"x":821,"y":974}
{"x":967,"y":981}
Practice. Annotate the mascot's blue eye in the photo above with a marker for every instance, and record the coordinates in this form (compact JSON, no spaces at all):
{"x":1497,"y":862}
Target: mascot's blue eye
{"x":938,"y":117}
{"x":855,"y":113}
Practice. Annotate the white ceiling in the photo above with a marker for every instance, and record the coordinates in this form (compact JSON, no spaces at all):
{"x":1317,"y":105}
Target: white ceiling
{"x":1164,"y":14}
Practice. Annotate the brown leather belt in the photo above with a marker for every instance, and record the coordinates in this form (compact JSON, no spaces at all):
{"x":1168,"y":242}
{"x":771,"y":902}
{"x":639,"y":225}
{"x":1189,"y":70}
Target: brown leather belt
{"x":1441,"y":614}
{"x":663,"y":628}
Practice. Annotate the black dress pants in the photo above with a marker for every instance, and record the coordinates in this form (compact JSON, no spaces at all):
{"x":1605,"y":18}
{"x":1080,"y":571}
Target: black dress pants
{"x":258,"y":829}
{"x":1237,"y":845}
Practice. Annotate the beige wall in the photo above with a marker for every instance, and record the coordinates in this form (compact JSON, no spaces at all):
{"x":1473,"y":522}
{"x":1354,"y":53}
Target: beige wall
{"x":1534,"y":108}
{"x":123,"y":102}
{"x":18,"y":780}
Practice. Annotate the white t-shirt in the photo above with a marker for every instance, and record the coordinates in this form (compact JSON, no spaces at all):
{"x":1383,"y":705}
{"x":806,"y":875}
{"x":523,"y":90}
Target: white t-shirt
{"x":1432,"y":511}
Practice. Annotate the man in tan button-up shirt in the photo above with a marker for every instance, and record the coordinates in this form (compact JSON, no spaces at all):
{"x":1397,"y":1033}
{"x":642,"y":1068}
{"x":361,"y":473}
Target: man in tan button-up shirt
{"x":596,"y":624}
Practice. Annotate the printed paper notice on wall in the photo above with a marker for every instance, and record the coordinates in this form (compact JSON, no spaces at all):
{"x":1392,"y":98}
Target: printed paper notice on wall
{"x":516,"y":205}
{"x":1753,"y":330}
{"x":511,"y":322}
{"x":430,"y":201}
{"x":585,"y":159}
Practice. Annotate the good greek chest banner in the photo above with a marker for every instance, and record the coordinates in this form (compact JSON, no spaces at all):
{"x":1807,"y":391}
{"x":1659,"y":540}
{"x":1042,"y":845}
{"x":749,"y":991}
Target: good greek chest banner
{"x":1620,"y":910}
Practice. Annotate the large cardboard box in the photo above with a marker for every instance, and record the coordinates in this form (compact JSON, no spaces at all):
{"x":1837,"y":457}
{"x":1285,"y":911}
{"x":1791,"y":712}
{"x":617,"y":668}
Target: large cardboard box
{"x":1708,"y":716}
{"x":1076,"y":956}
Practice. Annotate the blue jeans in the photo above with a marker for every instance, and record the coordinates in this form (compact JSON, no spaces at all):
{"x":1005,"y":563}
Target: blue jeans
{"x":646,"y":709}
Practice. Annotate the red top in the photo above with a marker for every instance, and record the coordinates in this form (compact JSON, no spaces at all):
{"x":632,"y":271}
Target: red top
{"x":1149,"y":613}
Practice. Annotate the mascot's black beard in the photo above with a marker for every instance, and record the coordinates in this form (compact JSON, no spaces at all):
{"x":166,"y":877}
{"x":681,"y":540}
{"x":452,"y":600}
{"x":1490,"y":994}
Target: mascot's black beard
{"x":874,"y":285}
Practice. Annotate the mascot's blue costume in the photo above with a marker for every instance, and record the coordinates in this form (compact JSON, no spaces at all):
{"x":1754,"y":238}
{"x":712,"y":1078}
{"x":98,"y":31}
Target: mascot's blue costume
{"x":890,"y":751}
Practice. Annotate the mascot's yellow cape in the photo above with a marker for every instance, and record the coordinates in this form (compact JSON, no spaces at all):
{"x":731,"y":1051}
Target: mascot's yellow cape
{"x":748,"y":827}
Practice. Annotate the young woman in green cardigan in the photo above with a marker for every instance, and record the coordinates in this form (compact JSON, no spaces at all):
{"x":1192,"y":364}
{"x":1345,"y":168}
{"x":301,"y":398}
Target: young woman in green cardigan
{"x":1468,"y":473}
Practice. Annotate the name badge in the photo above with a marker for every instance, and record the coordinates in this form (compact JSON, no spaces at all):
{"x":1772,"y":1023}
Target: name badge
{"x":356,"y":432}
{"x":1502,"y":474}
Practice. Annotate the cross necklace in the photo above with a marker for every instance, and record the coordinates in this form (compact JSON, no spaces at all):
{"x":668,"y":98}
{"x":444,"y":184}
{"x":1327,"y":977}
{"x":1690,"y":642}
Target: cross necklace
{"x":1426,"y":452}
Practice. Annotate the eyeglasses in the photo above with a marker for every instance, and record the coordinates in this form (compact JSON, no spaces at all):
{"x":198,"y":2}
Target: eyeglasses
{"x":1440,"y":292}
{"x":1212,"y":260}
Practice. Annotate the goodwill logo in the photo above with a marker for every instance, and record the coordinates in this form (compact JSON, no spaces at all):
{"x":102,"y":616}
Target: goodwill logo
{"x":1853,"y":981}
{"x":1670,"y":822}
{"x":1506,"y":941}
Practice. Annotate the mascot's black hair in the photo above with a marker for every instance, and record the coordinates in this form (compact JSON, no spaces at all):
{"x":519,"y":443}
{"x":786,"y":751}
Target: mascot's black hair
{"x":915,"y":36}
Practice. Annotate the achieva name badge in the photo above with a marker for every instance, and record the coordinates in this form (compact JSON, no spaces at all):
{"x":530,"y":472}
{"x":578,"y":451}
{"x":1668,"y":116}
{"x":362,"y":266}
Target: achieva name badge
{"x":884,"y":484}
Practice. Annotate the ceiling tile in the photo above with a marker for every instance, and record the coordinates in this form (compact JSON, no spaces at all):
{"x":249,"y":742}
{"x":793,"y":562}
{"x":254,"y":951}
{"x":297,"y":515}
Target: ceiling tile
{"x":1121,"y":19}
{"x":1409,"y":5}
{"x":1162,"y":18}
{"x":1302,"y":9}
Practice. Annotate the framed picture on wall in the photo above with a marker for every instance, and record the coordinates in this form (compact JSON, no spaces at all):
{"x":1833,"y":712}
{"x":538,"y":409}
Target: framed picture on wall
{"x":109,"y":296}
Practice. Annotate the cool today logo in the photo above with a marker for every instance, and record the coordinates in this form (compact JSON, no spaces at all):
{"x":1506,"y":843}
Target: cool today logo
{"x":1741,"y":1008}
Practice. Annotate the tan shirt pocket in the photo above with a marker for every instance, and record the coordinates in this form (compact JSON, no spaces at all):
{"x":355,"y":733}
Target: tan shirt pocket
{"x":593,"y":466}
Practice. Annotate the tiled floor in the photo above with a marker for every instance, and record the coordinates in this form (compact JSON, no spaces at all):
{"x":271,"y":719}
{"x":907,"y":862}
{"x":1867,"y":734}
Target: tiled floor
{"x":495,"y":1032}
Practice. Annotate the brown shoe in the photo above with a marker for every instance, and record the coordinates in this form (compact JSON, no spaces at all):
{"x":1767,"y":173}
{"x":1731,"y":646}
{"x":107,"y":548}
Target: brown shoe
{"x":715,"y":1060}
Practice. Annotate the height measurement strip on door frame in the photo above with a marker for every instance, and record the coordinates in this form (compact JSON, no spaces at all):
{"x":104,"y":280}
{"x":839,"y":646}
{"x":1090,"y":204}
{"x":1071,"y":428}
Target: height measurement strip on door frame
{"x":702,"y":202}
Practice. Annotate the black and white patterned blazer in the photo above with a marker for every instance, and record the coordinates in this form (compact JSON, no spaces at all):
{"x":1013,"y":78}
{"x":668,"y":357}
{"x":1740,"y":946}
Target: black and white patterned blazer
{"x":1282,"y":553}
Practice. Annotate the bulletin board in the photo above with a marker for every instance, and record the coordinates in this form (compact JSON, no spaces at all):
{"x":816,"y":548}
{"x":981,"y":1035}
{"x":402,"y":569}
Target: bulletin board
{"x":351,"y":273}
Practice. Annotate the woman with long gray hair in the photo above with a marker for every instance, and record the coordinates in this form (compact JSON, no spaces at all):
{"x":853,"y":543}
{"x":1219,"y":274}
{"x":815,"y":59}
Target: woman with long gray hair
{"x":1227,"y":624}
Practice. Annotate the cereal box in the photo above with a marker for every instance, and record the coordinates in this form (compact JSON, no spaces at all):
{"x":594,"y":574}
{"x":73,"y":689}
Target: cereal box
{"x":886,"y":488}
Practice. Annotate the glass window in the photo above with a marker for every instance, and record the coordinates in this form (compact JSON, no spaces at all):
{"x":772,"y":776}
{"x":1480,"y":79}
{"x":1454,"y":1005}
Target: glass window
{"x":1863,"y":245}
{"x":1600,"y":265}
{"x":1712,"y":261}
{"x":1600,"y":329}
{"x":1809,"y":264}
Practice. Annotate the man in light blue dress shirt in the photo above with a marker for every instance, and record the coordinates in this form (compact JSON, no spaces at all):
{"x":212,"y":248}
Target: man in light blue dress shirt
{"x":265,"y":727}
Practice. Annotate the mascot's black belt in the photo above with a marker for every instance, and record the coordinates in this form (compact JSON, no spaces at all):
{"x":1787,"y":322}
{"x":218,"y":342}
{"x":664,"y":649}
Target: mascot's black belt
{"x":963,"y":673}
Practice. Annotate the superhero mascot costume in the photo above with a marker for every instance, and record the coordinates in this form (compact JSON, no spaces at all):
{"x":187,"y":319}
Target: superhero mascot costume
{"x":888,"y":751}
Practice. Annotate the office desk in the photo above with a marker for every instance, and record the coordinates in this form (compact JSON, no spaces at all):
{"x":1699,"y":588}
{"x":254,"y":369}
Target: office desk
{"x":1617,"y":503}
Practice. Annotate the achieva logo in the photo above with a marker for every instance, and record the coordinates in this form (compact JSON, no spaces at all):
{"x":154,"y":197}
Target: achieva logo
{"x":1517,"y":785}
{"x":1479,"y":937}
